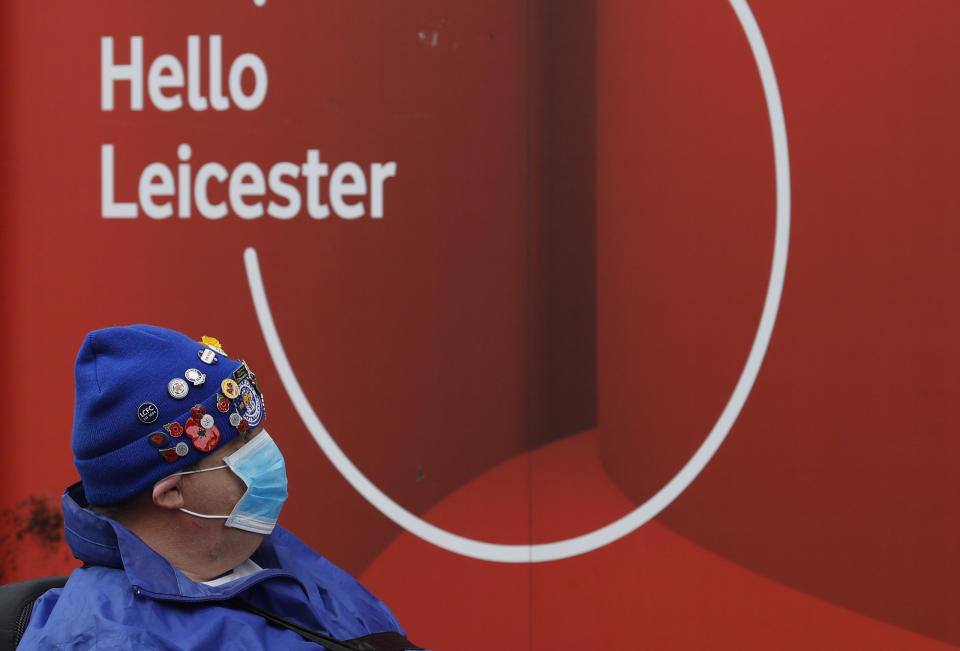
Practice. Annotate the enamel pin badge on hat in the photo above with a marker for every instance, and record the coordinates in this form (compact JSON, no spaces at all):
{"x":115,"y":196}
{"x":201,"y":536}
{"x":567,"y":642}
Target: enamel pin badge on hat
{"x":147,"y":412}
{"x":194,"y":376}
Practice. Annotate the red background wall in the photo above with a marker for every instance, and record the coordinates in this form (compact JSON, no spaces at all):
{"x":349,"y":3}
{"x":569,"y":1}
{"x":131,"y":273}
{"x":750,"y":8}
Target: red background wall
{"x":553,"y":310}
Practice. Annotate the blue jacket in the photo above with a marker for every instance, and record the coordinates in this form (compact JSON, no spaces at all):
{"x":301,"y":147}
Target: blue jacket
{"x":130,"y":597}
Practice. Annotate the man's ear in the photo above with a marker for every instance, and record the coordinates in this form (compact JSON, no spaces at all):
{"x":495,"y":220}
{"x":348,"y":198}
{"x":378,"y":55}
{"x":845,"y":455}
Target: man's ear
{"x":166,"y":493}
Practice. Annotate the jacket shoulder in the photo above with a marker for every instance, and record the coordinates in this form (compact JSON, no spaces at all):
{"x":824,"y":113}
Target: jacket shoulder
{"x":98,"y":608}
{"x":328,"y":584}
{"x":88,"y":611}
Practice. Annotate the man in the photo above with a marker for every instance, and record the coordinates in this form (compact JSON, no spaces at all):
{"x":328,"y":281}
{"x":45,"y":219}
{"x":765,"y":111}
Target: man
{"x":175,"y":515}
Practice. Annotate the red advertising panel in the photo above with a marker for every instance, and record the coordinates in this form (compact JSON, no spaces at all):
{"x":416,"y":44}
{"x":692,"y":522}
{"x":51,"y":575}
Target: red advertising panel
{"x":595,"y":324}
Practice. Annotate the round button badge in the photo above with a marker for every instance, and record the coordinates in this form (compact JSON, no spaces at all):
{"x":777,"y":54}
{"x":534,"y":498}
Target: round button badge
{"x":230,"y":388}
{"x":181,"y":449}
{"x":147,"y":412}
{"x":177,"y":388}
{"x":158,"y":440}
{"x":207,"y":421}
{"x":195,"y":377}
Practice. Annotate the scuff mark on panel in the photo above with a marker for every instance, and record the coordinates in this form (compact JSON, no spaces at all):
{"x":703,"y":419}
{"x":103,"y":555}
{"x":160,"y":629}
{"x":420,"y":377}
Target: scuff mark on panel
{"x":431,"y":35}
{"x":34,"y":528}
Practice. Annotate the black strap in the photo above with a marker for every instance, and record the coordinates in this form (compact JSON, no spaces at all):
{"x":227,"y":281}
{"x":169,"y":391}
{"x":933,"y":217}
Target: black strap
{"x":391,"y":641}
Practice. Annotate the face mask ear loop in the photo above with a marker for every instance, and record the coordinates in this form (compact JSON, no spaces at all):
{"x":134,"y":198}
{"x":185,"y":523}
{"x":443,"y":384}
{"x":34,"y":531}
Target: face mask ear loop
{"x":191,"y":472}
{"x":209,"y":517}
{"x":194,"y":513}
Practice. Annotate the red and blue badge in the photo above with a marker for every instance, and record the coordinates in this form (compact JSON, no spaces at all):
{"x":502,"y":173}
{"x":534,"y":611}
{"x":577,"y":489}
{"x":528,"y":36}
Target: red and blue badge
{"x":249,"y":401}
{"x":159,"y":440}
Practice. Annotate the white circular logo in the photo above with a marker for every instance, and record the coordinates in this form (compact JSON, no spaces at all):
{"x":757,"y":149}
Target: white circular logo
{"x":653,"y":506}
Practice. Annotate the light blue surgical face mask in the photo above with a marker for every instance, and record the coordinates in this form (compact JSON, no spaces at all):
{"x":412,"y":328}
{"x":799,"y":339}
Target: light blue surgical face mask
{"x":260,"y":465}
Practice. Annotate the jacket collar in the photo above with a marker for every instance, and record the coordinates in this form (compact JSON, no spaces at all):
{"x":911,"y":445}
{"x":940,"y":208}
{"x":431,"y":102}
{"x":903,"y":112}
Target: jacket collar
{"x":97,"y":540}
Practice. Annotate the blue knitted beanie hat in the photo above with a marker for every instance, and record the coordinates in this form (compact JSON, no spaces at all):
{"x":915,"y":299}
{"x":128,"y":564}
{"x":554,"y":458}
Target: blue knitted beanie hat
{"x":150,"y":402}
